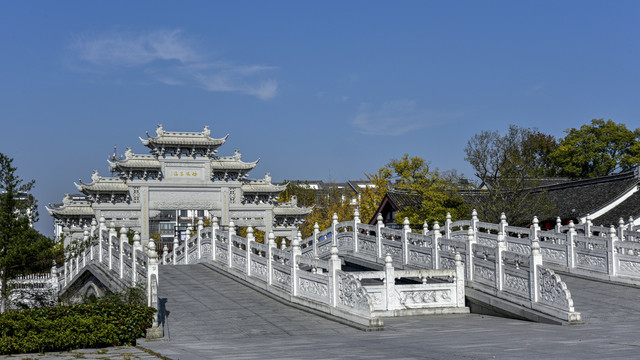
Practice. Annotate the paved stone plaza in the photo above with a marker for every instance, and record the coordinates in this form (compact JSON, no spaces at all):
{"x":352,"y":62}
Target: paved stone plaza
{"x":220,"y":318}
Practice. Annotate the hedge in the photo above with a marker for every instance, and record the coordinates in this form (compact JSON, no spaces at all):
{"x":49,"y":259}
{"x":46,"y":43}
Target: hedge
{"x":62,"y":328}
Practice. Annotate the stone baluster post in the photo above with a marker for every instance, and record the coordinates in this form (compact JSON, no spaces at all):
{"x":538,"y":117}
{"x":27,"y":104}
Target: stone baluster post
{"x":571,"y":245}
{"x":102,"y":231}
{"x":379,"y":227}
{"x":587,"y":226}
{"x":406,"y":229}
{"x":447,"y":227}
{"x":535,"y":229}
{"x":134,"y":257}
{"x":356,"y":222}
{"x":316,"y":232}
{"x":334,"y":230}
{"x":474,"y":221}
{"x":174,"y":253}
{"x":631,"y":228}
{"x":94,"y":227}
{"x":425,"y":228}
{"x":334,"y":266}
{"x":85,"y":241}
{"x":612,"y":252}
{"x":200,"y":227}
{"x":391,"y":300}
{"x":621,"y":230}
{"x":214,"y":236}
{"x":165,"y":254}
{"x":55,"y":282}
{"x":459,"y":280}
{"x":535,"y":262}
{"x":186,"y":243}
{"x":435,"y":250}
{"x":112,"y":238}
{"x":123,"y":239}
{"x":152,"y":284}
{"x":295,"y":252}
{"x":270,"y":247}
{"x":232,"y":233}
{"x":500,"y":248}
{"x":471,"y":240}
{"x":558,"y":227}
{"x":250,"y":239}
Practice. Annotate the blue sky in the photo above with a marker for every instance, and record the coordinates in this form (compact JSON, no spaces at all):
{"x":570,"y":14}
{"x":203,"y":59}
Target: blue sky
{"x":317,"y":90}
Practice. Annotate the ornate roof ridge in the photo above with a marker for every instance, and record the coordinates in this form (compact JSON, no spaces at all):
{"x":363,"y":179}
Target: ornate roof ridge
{"x":204,"y":135}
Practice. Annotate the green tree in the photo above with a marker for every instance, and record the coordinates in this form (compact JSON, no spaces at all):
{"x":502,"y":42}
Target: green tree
{"x":22,"y":249}
{"x":597,"y":149}
{"x":371,"y":196}
{"x":509,"y":167}
{"x":306,"y":196}
{"x":332,"y":200}
{"x":437,"y":194}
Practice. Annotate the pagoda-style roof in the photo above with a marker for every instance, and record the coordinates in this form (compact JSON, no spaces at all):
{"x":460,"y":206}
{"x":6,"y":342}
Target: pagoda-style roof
{"x":135,"y":161}
{"x":103,"y":184}
{"x":262,"y":186}
{"x":184,"y":139}
{"x":222,"y":163}
{"x":71,"y":207}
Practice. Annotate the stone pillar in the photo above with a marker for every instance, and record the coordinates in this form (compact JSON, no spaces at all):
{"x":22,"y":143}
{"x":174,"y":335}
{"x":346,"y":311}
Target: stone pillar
{"x":270,"y":247}
{"x":471,"y":240}
{"x":200,"y":227}
{"x":379,"y":227}
{"x":214,"y":236}
{"x":334,"y":266}
{"x":356,"y":222}
{"x":165,"y":254}
{"x":612,"y":252}
{"x":558,"y":225}
{"x":334,"y":230}
{"x":152,"y":289}
{"x":102,"y":231}
{"x":425,"y":228}
{"x":447,"y":227}
{"x":535,"y":262}
{"x":316,"y":231}
{"x":134,"y":257}
{"x":55,"y":284}
{"x":474,"y":221}
{"x":459,"y":280}
{"x":391,"y":300}
{"x":123,"y":239}
{"x":571,"y":245}
{"x":94,"y":226}
{"x":500,"y":248}
{"x":621,"y":230}
{"x":406,"y":229}
{"x":250,"y":239}
{"x":435,"y":250}
{"x":232,"y":233}
{"x":186,"y":243}
{"x":112,"y":238}
{"x":295,"y":252}
{"x":85,"y":241}
{"x":535,"y":229}
{"x":176,"y":245}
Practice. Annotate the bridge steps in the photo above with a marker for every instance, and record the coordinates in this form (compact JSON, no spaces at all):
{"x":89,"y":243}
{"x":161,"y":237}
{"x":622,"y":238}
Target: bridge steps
{"x":201,"y":304}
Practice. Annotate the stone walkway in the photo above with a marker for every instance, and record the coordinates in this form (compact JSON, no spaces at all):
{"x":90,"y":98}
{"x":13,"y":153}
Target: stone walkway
{"x":118,"y":352}
{"x":212,"y":317}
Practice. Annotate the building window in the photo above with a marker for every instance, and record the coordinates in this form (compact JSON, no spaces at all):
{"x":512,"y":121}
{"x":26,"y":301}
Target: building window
{"x":200,"y":213}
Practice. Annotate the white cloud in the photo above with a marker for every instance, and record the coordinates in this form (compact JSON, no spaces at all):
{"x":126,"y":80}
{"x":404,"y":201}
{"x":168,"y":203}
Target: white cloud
{"x":395,"y":118}
{"x":167,"y":56}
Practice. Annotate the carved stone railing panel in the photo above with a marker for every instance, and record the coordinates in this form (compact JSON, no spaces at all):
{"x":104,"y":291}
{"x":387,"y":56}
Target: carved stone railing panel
{"x":553,"y":291}
{"x":281,"y":275}
{"x":351,"y":295}
{"x":313,"y":286}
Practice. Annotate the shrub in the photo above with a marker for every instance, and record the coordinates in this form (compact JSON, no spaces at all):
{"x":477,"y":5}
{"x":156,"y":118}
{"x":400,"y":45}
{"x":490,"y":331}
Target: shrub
{"x":115,"y":320}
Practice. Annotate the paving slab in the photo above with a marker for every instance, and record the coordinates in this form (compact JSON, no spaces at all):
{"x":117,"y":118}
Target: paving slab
{"x":224,"y":319}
